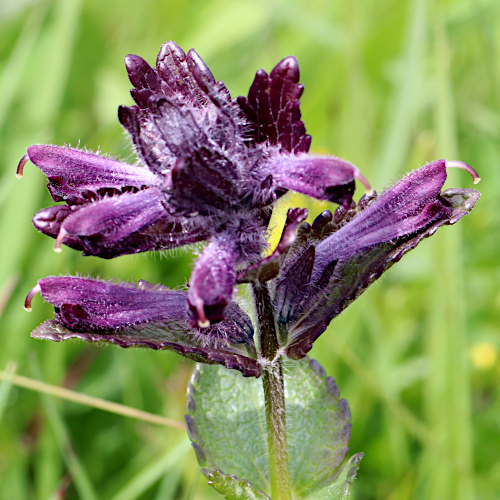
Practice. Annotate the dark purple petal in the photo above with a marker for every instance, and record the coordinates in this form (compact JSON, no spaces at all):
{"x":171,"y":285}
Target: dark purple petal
{"x":166,"y":233}
{"x":120,"y":225}
{"x":324,"y":279}
{"x":174,"y":71}
{"x":144,"y":78}
{"x":72,"y":172}
{"x":84,"y":304}
{"x":143,"y":315}
{"x":324,"y":178}
{"x":212,"y":281}
{"x":273,"y":107}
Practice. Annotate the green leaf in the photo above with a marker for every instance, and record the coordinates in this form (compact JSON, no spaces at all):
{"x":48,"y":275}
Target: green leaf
{"x":319,"y":426}
{"x":340,"y":488}
{"x":232,"y":487}
{"x":227,"y":425}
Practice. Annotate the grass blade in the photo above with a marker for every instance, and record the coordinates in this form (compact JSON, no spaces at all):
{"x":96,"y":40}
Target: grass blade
{"x":10,"y":369}
{"x":79,"y":475}
{"x":153,"y":472}
{"x":84,"y":399}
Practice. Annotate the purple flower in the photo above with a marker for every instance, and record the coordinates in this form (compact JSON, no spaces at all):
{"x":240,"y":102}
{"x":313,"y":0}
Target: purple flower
{"x":210,"y":169}
{"x":143,"y":315}
{"x":111,"y":208}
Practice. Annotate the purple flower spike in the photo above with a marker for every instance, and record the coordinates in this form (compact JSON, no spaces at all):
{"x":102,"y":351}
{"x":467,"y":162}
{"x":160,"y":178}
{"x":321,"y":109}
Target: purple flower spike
{"x":211,"y":168}
{"x":142,"y":315}
{"x":357,"y":246}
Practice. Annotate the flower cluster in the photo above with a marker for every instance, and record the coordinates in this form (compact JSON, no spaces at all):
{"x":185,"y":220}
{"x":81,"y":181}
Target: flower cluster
{"x":210,"y":169}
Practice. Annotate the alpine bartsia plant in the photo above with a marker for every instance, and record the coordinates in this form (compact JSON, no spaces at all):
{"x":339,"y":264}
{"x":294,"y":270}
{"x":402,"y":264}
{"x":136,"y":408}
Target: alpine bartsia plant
{"x":210,"y":169}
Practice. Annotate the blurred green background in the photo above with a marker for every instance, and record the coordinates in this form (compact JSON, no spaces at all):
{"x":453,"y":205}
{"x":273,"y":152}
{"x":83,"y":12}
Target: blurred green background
{"x":390,"y":85}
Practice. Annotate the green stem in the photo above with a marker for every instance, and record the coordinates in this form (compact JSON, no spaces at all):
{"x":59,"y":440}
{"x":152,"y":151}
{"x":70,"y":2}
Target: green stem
{"x":274,"y":395}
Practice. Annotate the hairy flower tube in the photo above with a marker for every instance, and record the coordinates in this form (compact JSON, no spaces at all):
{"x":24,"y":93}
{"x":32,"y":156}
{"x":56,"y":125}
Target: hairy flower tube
{"x":210,"y":168}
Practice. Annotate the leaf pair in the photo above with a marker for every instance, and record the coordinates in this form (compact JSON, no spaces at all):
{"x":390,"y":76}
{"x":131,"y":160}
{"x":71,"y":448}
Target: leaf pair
{"x":226,"y":423}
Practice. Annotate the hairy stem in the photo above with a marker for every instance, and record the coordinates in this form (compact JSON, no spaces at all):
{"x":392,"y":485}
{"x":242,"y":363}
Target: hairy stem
{"x":274,"y":394}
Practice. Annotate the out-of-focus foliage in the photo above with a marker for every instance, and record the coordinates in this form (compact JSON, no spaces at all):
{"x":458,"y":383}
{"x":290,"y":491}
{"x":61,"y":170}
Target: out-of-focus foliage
{"x":389,"y":86}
